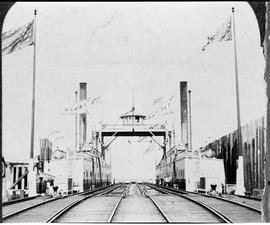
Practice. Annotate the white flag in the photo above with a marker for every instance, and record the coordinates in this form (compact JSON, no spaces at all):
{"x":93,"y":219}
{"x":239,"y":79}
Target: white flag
{"x":18,"y":38}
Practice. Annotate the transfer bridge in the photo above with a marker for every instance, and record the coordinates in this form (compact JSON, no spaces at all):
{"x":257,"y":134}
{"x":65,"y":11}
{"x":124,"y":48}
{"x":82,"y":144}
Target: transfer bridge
{"x":133,"y":125}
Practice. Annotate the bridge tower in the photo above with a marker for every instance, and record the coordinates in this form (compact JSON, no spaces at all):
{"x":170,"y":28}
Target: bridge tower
{"x":133,"y":124}
{"x":132,"y":119}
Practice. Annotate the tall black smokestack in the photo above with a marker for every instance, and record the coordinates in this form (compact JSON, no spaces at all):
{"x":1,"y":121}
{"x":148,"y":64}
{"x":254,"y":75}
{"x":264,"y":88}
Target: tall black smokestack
{"x":184,"y":112}
{"x":82,"y":123}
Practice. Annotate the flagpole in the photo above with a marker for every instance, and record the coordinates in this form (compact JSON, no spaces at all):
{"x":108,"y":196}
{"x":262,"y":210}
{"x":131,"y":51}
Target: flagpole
{"x":237,"y":90}
{"x":32,"y":175}
{"x":33,"y":91}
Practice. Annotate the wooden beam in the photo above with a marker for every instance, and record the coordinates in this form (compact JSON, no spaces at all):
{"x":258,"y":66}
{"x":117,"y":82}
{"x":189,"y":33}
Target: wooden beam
{"x":18,"y":180}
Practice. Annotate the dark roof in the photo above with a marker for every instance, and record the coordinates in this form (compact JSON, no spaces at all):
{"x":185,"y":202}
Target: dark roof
{"x":131,"y":115}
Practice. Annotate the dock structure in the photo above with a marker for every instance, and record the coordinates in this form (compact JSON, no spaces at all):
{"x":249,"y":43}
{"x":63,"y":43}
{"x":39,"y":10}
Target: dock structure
{"x":14,"y":181}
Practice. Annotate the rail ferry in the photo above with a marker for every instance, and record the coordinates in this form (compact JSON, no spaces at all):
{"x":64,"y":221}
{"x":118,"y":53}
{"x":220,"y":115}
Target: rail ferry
{"x":77,"y":171}
{"x":190,"y":171}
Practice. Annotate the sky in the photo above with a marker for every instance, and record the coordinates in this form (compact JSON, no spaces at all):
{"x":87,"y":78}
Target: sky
{"x":119,"y":47}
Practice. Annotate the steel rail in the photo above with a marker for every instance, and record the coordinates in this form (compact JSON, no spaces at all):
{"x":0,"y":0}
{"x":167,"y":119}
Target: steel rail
{"x":156,"y":204}
{"x":209,"y":208}
{"x":28,"y":208}
{"x":140,"y":189}
{"x":56,"y":216}
{"x":233,"y":202}
{"x":110,"y":190}
{"x":216,"y":197}
{"x":45,"y":202}
{"x":11,"y":202}
{"x":118,"y":203}
{"x":251,"y":197}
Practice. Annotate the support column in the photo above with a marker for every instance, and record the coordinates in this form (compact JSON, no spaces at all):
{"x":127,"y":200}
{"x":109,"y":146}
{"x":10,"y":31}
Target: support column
{"x":240,"y":187}
{"x":102,"y":147}
{"x":165,"y":154}
{"x":16,"y":177}
{"x":23,"y":180}
{"x":32,"y":179}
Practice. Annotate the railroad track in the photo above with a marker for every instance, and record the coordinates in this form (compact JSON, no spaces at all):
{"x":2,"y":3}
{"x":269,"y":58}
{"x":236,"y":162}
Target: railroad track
{"x":229,"y":211}
{"x":137,"y":207}
{"x":106,"y":205}
{"x":50,"y":210}
{"x":219,"y":217}
{"x":61,"y":212}
{"x":258,"y":198}
{"x":230,"y":199}
{"x":16,"y":201}
{"x":110,"y":220}
{"x":166,"y":218}
{"x":100,"y":208}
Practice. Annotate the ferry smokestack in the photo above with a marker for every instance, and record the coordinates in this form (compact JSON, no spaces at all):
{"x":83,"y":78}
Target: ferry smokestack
{"x":83,"y":93}
{"x":82,"y":123}
{"x":184,"y":113}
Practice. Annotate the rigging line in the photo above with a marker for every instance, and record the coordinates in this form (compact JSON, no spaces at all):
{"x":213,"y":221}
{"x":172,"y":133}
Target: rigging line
{"x":106,"y":146}
{"x":155,"y":139}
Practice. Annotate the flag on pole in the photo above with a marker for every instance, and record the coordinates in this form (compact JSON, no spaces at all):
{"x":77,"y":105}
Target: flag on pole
{"x":224,"y":33}
{"x":18,"y":38}
{"x":75,"y":109}
{"x":82,"y":106}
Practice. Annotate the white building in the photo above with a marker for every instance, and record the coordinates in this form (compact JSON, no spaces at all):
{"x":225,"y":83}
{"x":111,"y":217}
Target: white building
{"x":14,"y":180}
